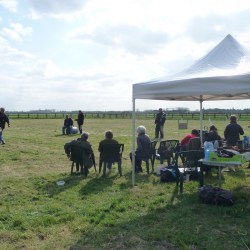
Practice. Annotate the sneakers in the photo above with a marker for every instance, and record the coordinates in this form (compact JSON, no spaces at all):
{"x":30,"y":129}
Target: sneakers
{"x":3,"y":142}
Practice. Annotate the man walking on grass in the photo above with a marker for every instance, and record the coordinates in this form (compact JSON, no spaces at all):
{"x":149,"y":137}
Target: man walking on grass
{"x":3,"y":119}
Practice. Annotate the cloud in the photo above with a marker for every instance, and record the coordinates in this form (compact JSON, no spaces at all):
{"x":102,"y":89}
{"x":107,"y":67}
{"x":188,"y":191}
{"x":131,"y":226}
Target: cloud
{"x":133,"y":39}
{"x":11,"y":5}
{"x":16,"y":32}
{"x":56,"y":6}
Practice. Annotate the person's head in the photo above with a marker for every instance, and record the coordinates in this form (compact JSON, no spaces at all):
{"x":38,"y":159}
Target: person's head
{"x":233,"y":119}
{"x":160,"y":110}
{"x":85,"y":136}
{"x":212,"y":128}
{"x":67,"y":116}
{"x":195,"y":132}
{"x":79,"y":111}
{"x":108,"y":134}
{"x":2,"y":110}
{"x":141,"y":130}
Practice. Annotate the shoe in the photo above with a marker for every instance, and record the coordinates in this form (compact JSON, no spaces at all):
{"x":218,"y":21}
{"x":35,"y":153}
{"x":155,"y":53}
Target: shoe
{"x":3,"y":142}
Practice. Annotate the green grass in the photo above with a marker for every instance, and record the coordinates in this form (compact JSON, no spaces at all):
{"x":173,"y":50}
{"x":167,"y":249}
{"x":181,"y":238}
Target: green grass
{"x":108,"y":213}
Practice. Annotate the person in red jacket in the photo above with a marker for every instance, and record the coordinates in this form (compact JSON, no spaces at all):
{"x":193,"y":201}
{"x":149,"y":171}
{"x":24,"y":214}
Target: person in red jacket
{"x":186,"y":139}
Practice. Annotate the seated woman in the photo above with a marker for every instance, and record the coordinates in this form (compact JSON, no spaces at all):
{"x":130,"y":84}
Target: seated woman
{"x":80,"y":151}
{"x":213,"y":135}
{"x":143,"y":150}
{"x":108,"y":140}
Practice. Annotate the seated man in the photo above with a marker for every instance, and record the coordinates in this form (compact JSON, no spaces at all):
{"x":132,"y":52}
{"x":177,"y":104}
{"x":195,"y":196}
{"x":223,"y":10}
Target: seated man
{"x":68,"y":124}
{"x":108,"y":140}
{"x":81,"y":152}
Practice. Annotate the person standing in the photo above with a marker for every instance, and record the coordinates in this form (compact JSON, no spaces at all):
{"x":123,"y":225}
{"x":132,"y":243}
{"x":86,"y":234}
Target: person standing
{"x":159,"y":124}
{"x":3,"y":119}
{"x":80,"y":120}
{"x":233,"y":131}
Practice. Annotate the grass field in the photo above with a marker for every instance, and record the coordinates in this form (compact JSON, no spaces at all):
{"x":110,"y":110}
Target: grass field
{"x":108,"y":213}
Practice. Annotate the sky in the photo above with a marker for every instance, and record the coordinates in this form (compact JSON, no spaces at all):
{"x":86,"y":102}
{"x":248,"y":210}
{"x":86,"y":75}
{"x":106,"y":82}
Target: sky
{"x":87,"y":54}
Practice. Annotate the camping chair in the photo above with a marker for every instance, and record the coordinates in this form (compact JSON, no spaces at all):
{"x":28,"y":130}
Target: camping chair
{"x":151,"y":156}
{"x":190,"y":168}
{"x":76,"y":156}
{"x":112,"y":153}
{"x":167,"y":150}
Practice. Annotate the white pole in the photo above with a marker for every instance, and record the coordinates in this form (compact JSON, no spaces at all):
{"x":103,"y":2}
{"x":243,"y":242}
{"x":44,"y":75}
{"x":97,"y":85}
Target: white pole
{"x":201,"y":119}
{"x":133,"y":144}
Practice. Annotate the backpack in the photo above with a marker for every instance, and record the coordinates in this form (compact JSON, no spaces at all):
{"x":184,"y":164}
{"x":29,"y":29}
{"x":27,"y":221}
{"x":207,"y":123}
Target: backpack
{"x":215,"y":196}
{"x":169,"y":174}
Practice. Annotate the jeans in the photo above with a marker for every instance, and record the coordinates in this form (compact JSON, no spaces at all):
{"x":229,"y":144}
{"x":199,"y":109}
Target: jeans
{"x":68,"y":130}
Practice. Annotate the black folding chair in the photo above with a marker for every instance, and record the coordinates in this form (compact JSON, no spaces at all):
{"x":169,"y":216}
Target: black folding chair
{"x":167,"y":150}
{"x":190,"y":167}
{"x":76,"y":156}
{"x":151,"y":156}
{"x":111,"y":153}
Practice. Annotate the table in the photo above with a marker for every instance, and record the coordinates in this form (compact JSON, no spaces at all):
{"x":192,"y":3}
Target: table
{"x":220,"y":166}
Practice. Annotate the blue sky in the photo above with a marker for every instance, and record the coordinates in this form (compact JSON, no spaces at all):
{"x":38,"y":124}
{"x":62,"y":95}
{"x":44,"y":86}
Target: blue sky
{"x":86,"y":54}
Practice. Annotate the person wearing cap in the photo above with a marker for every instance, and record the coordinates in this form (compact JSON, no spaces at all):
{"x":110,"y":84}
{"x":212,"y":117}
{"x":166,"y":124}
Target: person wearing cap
{"x":3,"y":120}
{"x":233,"y":131}
{"x":80,"y":120}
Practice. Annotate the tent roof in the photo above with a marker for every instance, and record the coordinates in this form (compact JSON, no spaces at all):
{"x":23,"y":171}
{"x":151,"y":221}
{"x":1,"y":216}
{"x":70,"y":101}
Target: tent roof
{"x":222,"y":74}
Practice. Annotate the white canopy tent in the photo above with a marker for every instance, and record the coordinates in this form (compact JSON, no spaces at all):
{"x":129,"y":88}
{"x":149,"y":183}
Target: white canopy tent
{"x":222,"y":74}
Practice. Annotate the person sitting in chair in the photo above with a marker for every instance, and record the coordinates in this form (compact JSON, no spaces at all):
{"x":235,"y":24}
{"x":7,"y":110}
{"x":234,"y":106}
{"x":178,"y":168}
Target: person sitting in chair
{"x":143,"y":148}
{"x":80,"y":151}
{"x":67,"y":125}
{"x":185,"y":141}
{"x":108,"y":140}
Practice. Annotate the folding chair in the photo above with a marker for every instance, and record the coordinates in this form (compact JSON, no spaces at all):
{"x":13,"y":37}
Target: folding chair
{"x":76,"y":156}
{"x":112,"y":153}
{"x":151,"y":156}
{"x":167,"y":150}
{"x":191,"y":165}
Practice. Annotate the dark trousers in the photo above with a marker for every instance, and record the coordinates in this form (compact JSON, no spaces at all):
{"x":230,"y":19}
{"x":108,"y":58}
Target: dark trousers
{"x":159,"y":130}
{"x":138,"y":161}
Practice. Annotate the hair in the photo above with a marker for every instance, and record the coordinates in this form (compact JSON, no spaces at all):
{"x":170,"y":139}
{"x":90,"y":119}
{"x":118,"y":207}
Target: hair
{"x":233,"y":118}
{"x":85,"y":136}
{"x":2,"y":109}
{"x":109,"y":134}
{"x":141,"y":130}
{"x":212,"y":127}
{"x":195,"y":132}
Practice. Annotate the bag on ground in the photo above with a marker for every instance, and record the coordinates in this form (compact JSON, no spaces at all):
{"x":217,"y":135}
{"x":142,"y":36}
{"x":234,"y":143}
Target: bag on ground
{"x":215,"y":196}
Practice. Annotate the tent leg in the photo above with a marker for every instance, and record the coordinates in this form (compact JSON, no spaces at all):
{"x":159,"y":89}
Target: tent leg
{"x":133,"y":145}
{"x":201,"y":120}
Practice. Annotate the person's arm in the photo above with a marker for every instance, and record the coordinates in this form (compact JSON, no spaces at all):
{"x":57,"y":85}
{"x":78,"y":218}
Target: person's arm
{"x":241,"y":131}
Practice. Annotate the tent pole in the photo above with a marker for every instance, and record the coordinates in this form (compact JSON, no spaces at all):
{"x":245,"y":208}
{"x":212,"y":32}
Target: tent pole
{"x":201,"y":119}
{"x":133,"y":144}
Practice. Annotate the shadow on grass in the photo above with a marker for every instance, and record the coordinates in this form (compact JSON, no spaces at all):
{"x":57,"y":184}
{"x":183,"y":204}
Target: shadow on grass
{"x":183,"y":223}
